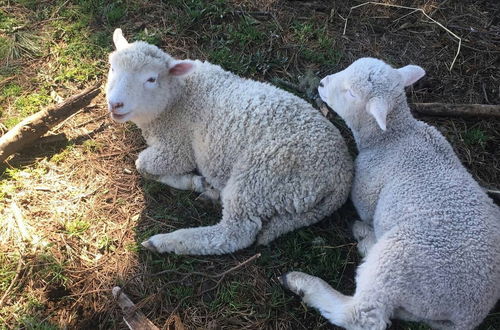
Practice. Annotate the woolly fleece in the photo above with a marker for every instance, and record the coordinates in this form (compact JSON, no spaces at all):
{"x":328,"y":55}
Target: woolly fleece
{"x":277,"y":162}
{"x":430,"y":234}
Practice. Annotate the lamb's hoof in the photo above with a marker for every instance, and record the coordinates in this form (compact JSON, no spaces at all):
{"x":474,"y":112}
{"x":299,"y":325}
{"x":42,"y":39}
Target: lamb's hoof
{"x":149,"y":176}
{"x":148,"y":245}
{"x":360,"y":230}
{"x":286,"y":283}
{"x":283,"y":281}
{"x":209,"y":197}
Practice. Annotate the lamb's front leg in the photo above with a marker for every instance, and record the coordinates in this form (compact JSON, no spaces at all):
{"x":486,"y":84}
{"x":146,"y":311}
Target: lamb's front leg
{"x":229,"y":235}
{"x":154,"y":163}
{"x":192,"y":182}
{"x":187,"y":181}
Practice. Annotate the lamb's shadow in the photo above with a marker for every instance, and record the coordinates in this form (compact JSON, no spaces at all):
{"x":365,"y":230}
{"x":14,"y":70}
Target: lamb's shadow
{"x":189,"y":284}
{"x":184,"y":284}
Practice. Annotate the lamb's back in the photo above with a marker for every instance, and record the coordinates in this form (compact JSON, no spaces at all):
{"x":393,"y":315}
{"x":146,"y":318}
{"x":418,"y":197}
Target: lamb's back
{"x":424,"y":177}
{"x":448,"y":228}
{"x":244,"y":118}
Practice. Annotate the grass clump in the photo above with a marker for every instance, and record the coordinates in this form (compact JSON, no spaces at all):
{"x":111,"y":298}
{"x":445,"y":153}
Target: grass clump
{"x":8,"y":23}
{"x":11,"y":90}
{"x":76,"y":227}
{"x":149,"y":36}
{"x":52,"y":271}
{"x":315,"y":44}
{"x":24,"y":105}
{"x":61,"y":156}
{"x":475,"y":136}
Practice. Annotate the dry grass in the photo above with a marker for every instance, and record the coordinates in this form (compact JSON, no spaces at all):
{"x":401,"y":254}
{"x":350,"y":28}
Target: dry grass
{"x":73,"y":210}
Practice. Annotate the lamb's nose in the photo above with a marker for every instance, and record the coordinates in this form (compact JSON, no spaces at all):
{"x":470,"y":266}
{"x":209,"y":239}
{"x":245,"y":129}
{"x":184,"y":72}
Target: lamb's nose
{"x":115,"y":105}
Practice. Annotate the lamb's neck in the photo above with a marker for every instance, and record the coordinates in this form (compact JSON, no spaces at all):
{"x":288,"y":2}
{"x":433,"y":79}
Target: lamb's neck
{"x":204,"y":88}
{"x":172,"y":120}
{"x":202,"y":93}
{"x":399,"y":122}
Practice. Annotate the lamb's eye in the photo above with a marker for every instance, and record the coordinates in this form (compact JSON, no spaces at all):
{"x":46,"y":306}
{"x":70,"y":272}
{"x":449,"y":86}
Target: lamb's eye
{"x":151,"y":80}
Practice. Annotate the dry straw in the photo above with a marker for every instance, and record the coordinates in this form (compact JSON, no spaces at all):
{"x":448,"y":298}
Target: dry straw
{"x":414,"y":10}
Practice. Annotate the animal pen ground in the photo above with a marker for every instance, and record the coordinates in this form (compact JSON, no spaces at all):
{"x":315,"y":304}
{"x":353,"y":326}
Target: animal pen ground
{"x":73,"y":210}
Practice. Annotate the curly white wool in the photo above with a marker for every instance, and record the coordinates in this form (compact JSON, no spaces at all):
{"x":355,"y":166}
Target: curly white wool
{"x":430,"y":235}
{"x":278,"y":164}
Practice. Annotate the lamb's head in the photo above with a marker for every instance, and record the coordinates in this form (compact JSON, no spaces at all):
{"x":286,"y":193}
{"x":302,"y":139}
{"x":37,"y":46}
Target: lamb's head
{"x":143,"y":80}
{"x":367,"y":90}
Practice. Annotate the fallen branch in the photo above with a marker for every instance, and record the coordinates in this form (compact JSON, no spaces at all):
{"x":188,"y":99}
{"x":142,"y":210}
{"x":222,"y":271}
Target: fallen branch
{"x":174,"y":323}
{"x":308,"y":86}
{"x":36,"y":125}
{"x":457,"y":110}
{"x":133,"y":317}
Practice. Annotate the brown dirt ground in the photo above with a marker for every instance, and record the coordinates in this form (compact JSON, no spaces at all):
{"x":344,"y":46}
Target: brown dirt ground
{"x":102,"y":183}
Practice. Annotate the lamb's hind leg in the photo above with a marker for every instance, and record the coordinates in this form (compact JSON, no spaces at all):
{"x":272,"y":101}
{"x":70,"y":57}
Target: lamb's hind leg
{"x":192,"y":182}
{"x":229,"y":235}
{"x":369,"y":308}
{"x":316,"y":293}
{"x":185,"y":182}
{"x":237,"y":230}
{"x":341,"y":310}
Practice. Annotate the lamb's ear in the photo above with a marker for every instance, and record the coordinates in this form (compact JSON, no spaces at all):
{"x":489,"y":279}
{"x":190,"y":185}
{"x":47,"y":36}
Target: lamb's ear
{"x":119,"y":39}
{"x":411,"y":73}
{"x":180,"y":68}
{"x":378,"y":108}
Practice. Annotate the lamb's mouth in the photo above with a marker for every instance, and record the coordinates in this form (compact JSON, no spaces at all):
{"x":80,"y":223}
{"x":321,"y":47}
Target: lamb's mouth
{"x":119,"y":116}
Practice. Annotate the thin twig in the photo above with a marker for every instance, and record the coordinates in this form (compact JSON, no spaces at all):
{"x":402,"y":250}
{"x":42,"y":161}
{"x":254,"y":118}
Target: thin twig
{"x":334,"y":247}
{"x":11,"y":285}
{"x":86,"y":293}
{"x":173,"y":271}
{"x":6,"y":80}
{"x":92,"y":120}
{"x":217,"y":278}
{"x":414,"y":10}
{"x":252,"y":258}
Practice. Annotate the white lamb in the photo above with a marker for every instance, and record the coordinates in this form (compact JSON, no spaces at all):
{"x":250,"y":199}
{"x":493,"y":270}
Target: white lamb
{"x":430,"y":235}
{"x":278,"y":164}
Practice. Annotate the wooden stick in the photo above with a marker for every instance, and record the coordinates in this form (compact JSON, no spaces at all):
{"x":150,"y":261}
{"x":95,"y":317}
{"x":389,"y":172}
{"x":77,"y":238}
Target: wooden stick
{"x":456,"y":110}
{"x":428,"y":109}
{"x":36,"y":125}
{"x":133,"y":317}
